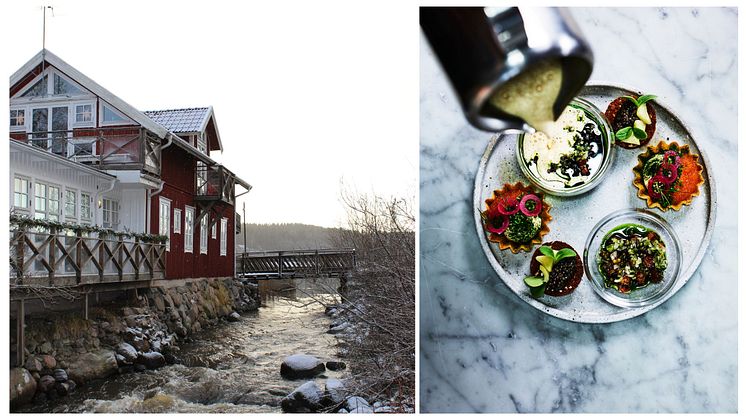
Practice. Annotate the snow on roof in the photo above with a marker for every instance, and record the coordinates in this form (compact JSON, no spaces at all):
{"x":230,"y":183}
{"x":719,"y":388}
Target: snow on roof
{"x":185,"y":120}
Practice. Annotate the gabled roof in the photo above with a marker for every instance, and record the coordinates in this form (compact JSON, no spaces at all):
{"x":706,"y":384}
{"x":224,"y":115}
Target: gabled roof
{"x":188,"y":120}
{"x":95,"y":88}
{"x":185,"y":120}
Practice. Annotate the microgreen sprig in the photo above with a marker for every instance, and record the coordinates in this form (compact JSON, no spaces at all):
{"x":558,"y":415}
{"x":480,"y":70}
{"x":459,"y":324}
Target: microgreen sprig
{"x":641,"y":100}
{"x":627,"y":132}
{"x":550,"y":257}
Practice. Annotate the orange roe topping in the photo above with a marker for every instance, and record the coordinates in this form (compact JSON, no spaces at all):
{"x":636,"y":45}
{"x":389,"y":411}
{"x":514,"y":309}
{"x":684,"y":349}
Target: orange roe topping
{"x":689,"y":179}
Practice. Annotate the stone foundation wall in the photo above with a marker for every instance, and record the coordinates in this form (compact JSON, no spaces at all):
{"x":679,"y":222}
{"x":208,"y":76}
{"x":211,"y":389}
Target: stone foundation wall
{"x":63,"y":351}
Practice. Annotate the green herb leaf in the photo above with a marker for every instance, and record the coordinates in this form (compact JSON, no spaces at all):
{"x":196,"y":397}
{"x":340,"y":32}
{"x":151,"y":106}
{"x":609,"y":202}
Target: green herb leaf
{"x":624,"y":133}
{"x":533,"y":281}
{"x":640,"y":134}
{"x":634,"y":101}
{"x":549,"y":252}
{"x":538,"y":292}
{"x":645,"y":98}
{"x":564,"y":253}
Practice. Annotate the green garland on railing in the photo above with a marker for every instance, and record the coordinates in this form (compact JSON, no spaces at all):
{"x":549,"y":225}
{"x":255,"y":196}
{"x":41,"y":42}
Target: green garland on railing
{"x":24,"y":222}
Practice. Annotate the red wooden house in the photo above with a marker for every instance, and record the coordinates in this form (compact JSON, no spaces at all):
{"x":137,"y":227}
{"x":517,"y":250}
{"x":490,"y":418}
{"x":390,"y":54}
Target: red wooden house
{"x":99,"y":161}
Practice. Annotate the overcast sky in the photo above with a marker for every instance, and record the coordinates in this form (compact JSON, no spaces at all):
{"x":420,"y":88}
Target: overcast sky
{"x":305,"y":94}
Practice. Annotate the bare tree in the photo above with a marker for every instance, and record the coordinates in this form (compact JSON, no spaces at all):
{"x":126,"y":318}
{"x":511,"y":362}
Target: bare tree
{"x":380,"y":296}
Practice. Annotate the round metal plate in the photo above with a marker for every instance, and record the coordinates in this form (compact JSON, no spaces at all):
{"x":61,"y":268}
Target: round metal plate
{"x":574,"y":217}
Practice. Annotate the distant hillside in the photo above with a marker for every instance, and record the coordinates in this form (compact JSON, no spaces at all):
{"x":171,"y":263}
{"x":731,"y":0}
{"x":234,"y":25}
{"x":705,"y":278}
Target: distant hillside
{"x":284,"y":236}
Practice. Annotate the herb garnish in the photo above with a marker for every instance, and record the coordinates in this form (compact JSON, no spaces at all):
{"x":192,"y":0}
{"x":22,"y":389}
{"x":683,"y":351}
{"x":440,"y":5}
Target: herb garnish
{"x":546,"y":262}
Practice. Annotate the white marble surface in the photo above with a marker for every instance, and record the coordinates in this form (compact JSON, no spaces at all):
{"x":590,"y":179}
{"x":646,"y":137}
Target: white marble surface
{"x":483,"y":349}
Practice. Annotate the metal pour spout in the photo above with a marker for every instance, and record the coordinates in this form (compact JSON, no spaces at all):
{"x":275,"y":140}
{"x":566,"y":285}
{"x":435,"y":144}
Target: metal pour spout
{"x":482,"y":48}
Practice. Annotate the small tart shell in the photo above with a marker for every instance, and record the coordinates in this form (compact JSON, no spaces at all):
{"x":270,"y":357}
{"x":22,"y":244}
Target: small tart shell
{"x":615,"y":106}
{"x":642,"y":189}
{"x":514,"y":190}
{"x":571,"y":283}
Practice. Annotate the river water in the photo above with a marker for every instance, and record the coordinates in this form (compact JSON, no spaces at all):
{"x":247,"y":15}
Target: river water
{"x":232,"y":367}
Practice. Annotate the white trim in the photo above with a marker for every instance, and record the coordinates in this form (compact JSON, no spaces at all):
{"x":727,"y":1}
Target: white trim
{"x":214,"y":231}
{"x":223,"y":236}
{"x":161,"y":202}
{"x":25,"y":120}
{"x":29,"y":196}
{"x":125,"y":120}
{"x":177,"y":218}
{"x":90,"y":216}
{"x":74,"y":118}
{"x":64,"y":204}
{"x":203,"y":233}
{"x":188,"y":230}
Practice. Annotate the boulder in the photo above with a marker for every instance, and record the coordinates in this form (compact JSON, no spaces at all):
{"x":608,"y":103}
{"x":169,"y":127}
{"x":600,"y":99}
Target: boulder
{"x":33,"y":365}
{"x":151,"y":360}
{"x":140,"y":344}
{"x":332,"y":365}
{"x":22,"y":386}
{"x":304,"y":399}
{"x":128,"y":352}
{"x":234,"y":317}
{"x":334,"y":391}
{"x":62,"y":388}
{"x":140,"y":368}
{"x":358,"y":405}
{"x":48,"y":361}
{"x":300,"y":366}
{"x":93,"y":365}
{"x":46,"y":383}
{"x":60,"y":375}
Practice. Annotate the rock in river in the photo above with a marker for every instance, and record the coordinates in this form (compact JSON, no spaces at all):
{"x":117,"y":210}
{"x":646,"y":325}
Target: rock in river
{"x":60,"y":375}
{"x":335,"y":391}
{"x":358,"y":405}
{"x":128,"y":352}
{"x":304,"y":399}
{"x":93,"y":365}
{"x":152,"y":360}
{"x":234,"y":317}
{"x":332,"y":365}
{"x":301,"y":366}
{"x":22,"y":386}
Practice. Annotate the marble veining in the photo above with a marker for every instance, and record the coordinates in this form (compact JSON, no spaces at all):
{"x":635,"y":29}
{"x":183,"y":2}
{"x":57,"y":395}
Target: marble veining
{"x":482,"y":349}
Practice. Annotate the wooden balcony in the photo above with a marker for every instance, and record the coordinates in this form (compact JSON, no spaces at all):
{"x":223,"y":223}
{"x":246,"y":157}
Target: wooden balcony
{"x":215,"y":183}
{"x":64,"y":259}
{"x":115,"y":148}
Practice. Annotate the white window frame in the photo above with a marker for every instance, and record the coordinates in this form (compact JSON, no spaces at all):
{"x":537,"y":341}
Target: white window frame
{"x":177,"y":220}
{"x":74,"y":118}
{"x":25,"y":120}
{"x":86,"y":216}
{"x":126,"y":120}
{"x":113,"y":212}
{"x":164,"y":220}
{"x":188,"y":229}
{"x":29,"y":193}
{"x":203,"y":234}
{"x":223,"y":236}
{"x":47,"y":200}
{"x":75,"y":204}
{"x":213,"y":231}
{"x":50,"y":96}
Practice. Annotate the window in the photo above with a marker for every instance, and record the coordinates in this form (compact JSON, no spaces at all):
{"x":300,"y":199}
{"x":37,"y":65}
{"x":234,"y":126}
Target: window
{"x":17,"y":119}
{"x":20,"y":192}
{"x":38,"y":89}
{"x":213,"y":232}
{"x":46,"y":201}
{"x":63,"y":87}
{"x":110,"y":116}
{"x":164,"y":220}
{"x":111,"y":213}
{"x":83,"y":114}
{"x":188,"y":229}
{"x":203,"y":234}
{"x":85,"y":206}
{"x":71,"y":198}
{"x":177,"y":220}
{"x":223,"y":236}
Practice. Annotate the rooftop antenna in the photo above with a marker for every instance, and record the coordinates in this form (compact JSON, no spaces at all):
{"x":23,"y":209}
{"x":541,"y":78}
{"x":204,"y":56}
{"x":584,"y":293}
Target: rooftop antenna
{"x":44,"y":26}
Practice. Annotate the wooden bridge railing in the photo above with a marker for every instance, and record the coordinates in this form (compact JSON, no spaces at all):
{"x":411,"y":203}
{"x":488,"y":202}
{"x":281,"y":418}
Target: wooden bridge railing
{"x":295,"y":263}
{"x":72,"y":258}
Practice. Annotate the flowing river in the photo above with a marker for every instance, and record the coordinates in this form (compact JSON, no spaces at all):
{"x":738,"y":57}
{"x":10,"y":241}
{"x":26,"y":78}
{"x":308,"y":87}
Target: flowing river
{"x":232,"y":367}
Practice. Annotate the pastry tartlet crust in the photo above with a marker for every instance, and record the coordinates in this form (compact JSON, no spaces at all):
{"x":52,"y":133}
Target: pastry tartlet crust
{"x":642,"y":190}
{"x":513,"y":190}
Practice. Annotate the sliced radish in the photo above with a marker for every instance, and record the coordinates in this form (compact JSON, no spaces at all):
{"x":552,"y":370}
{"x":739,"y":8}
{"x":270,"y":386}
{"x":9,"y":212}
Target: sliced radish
{"x":507,"y":206}
{"x":537,"y":208}
{"x":676,"y":161}
{"x":501,"y":229}
{"x":653,"y":194}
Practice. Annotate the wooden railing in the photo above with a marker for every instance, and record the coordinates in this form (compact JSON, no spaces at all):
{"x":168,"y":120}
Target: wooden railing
{"x":105,"y":148}
{"x":214,"y":182}
{"x":295,"y":263}
{"x":72,"y":258}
